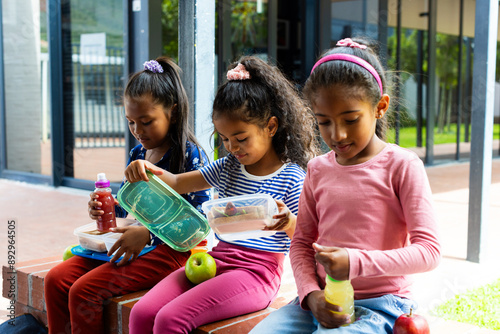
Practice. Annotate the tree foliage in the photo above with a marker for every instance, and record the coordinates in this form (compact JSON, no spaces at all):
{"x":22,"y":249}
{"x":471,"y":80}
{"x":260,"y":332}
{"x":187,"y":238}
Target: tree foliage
{"x":249,"y":28}
{"x":409,"y":48}
{"x":447,"y":54}
{"x":170,"y":28}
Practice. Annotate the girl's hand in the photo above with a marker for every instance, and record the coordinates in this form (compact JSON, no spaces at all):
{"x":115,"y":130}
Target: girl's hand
{"x":136,"y":170}
{"x":284,"y":221}
{"x":334,"y":259}
{"x":322,"y":310}
{"x":95,"y":206}
{"x":130,"y":244}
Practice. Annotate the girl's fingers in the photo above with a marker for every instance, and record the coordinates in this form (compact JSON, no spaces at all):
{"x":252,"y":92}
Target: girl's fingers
{"x":320,"y":248}
{"x":134,"y":257}
{"x":124,"y":260}
{"x":117,"y":255}
{"x":136,"y":171}
{"x":118,"y":229}
{"x":155,"y":170}
{"x":140,"y":173}
{"x":135,"y":175}
{"x":152,"y":168}
{"x":131,"y":173}
{"x":128,"y":257}
{"x":95,"y":213}
{"x":112,"y":250}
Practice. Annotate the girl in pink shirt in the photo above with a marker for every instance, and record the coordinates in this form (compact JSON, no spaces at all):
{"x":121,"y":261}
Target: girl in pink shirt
{"x":365,"y":212}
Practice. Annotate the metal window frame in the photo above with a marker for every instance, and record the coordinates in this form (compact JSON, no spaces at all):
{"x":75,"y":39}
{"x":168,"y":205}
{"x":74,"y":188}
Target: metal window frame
{"x":459,"y":76}
{"x":431,"y":102}
{"x":3,"y":135}
{"x":382,"y":33}
{"x":197,"y":61}
{"x":483,"y":88}
{"x":54,"y":14}
{"x":310,"y":32}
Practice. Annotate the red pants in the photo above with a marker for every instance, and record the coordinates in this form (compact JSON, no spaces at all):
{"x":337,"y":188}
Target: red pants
{"x":76,"y":289}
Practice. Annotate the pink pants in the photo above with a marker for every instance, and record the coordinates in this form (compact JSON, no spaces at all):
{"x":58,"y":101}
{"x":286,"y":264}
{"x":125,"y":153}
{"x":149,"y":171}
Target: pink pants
{"x":247,"y":280}
{"x":76,"y":289}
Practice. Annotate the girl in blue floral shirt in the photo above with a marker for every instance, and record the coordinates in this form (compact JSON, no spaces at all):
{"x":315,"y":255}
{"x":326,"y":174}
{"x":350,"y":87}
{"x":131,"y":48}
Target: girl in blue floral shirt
{"x":157,"y":109}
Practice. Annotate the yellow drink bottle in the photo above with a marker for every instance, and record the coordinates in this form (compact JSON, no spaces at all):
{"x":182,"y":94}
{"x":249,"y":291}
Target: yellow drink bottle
{"x":340,"y":293}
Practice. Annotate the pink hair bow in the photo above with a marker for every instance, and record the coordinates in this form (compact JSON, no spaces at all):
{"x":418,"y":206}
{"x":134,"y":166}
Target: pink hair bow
{"x":347,"y":42}
{"x":238,"y":73}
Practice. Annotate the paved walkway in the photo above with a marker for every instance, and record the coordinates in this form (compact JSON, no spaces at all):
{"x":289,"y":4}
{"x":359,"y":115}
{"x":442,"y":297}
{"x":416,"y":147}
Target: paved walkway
{"x":46,"y":217}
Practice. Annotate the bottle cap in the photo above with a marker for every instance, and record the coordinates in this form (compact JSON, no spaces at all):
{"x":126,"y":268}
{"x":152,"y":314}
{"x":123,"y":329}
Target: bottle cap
{"x":332,"y":279}
{"x":102,"y":181}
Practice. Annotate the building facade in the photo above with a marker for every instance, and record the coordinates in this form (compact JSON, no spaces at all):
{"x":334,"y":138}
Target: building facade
{"x":64,"y":63}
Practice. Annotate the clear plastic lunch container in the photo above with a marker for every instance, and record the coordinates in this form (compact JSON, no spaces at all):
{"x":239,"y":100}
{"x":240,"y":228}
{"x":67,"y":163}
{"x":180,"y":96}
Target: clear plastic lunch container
{"x":90,"y":238}
{"x":164,"y":212}
{"x":241,"y":217}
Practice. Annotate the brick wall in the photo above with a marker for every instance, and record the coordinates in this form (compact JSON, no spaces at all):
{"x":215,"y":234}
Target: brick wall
{"x":30,"y":299}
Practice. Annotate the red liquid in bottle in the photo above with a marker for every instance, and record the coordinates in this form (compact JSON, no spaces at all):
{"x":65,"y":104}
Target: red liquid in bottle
{"x":107,"y":220}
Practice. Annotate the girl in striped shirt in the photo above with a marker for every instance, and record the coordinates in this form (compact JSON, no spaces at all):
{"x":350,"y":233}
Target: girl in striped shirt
{"x":269,"y":135}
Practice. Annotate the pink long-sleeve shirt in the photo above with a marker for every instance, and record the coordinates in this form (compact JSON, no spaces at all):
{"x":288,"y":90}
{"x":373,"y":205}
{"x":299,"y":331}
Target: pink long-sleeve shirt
{"x":381,"y":211}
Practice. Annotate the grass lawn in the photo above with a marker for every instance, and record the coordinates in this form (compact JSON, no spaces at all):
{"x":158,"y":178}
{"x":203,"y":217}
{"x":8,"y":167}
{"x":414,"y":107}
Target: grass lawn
{"x":408,"y":135}
{"x":480,"y":307}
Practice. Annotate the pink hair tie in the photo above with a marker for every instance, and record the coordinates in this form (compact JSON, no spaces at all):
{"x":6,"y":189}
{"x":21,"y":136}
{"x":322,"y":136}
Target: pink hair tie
{"x":238,"y":73}
{"x":347,"y":42}
{"x":353,"y":59}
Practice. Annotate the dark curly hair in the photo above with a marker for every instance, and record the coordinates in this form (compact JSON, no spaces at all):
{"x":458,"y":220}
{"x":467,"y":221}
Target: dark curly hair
{"x":268,"y":93}
{"x":362,"y":83}
{"x":166,"y":89}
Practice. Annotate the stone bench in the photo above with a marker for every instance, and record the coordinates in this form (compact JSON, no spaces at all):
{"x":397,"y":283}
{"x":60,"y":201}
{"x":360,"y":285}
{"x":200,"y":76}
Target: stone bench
{"x":30,"y":299}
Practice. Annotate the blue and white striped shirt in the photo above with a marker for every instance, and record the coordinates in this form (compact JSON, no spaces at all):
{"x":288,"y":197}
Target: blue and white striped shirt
{"x":230,"y":178}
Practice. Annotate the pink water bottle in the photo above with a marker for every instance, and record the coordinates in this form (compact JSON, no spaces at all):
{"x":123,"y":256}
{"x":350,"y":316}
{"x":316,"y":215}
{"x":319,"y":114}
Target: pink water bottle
{"x":108,"y":219}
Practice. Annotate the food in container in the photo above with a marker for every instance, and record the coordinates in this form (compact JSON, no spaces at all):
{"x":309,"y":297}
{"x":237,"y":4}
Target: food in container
{"x":241,"y":217}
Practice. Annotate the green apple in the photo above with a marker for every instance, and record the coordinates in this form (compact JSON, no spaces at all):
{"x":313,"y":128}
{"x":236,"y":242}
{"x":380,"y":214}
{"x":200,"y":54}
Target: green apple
{"x":67,"y":252}
{"x":200,"y":267}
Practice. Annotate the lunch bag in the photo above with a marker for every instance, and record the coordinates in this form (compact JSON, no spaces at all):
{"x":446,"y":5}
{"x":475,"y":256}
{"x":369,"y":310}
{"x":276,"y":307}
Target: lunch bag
{"x":23,"y":324}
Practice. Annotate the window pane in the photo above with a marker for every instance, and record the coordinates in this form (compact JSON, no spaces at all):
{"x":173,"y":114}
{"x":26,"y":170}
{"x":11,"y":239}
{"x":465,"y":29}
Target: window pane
{"x":27,"y":113}
{"x":170,"y":28}
{"x":95,"y":125}
{"x":248,"y":31}
{"x":354,"y":18}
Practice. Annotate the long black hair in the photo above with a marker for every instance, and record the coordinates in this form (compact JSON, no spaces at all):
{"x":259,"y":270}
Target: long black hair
{"x":166,"y":89}
{"x":266,"y":94}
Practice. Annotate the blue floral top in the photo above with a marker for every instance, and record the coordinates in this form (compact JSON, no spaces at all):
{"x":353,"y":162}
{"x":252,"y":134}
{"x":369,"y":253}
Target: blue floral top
{"x":195,"y":159}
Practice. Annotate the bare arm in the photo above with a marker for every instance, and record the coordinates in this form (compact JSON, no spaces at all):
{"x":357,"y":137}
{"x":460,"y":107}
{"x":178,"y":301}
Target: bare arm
{"x":182,"y":183}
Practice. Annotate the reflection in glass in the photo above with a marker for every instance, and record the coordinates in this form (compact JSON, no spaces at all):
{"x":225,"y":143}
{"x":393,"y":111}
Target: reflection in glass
{"x":170,"y":28}
{"x":354,"y":18}
{"x":94,"y":125}
{"x":249,"y":27}
{"x":27,"y":114}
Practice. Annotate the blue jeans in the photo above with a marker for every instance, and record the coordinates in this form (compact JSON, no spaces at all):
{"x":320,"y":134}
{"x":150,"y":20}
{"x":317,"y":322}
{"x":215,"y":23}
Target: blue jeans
{"x":374,"y":315}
